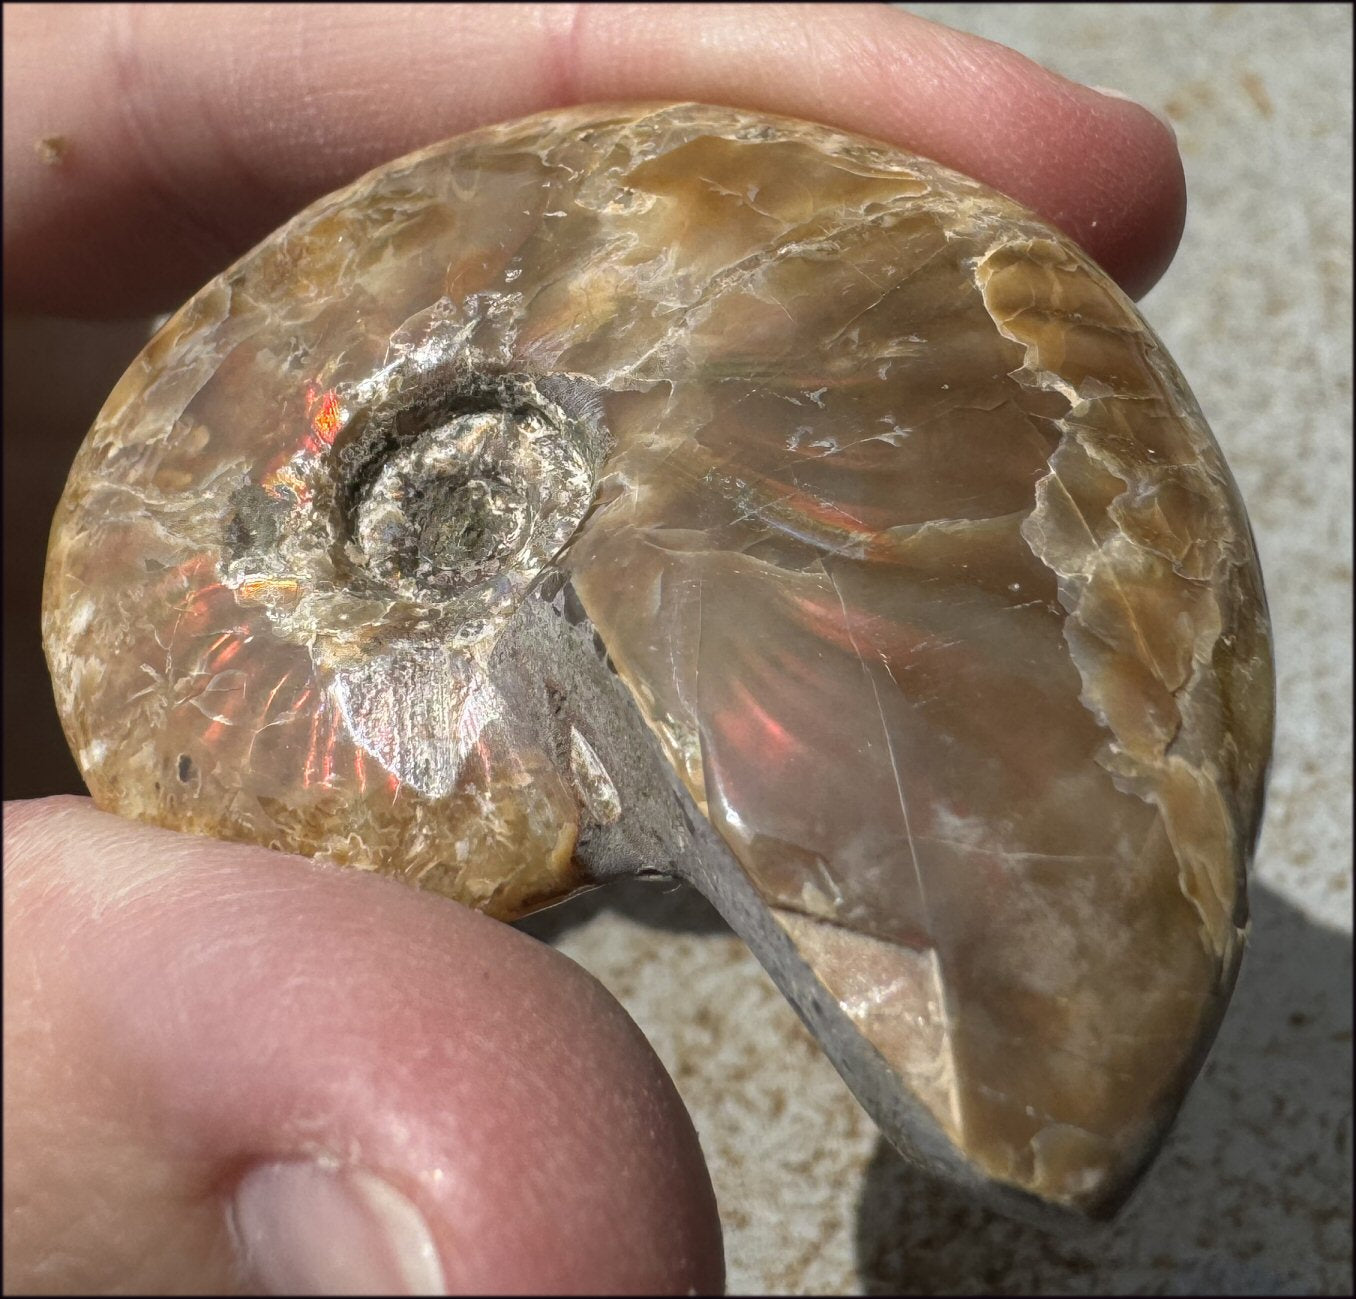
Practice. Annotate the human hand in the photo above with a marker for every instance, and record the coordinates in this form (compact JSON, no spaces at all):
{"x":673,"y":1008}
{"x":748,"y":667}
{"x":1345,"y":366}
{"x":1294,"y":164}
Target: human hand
{"x":230,"y":1070}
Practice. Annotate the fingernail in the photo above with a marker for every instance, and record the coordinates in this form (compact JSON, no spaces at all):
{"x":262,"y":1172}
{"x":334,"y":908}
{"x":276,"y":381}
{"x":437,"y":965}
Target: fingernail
{"x":305,"y":1228}
{"x":1121,"y":95}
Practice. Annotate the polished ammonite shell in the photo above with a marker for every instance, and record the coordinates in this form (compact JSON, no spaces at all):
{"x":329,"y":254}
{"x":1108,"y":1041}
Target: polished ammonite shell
{"x":667,"y":488}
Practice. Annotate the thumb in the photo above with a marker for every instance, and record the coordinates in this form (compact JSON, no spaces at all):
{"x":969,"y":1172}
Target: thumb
{"x":228,"y":1070}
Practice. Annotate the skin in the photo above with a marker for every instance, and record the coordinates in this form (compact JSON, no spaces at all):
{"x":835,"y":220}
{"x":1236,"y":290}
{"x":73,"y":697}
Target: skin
{"x":177,"y":1010}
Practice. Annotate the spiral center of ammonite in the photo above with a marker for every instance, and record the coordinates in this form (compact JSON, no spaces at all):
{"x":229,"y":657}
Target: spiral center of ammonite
{"x":433,"y":513}
{"x":464,"y":489}
{"x":449,"y":510}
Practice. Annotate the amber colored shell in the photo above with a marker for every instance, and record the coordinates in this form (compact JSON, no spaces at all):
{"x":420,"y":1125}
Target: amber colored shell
{"x":900,"y":525}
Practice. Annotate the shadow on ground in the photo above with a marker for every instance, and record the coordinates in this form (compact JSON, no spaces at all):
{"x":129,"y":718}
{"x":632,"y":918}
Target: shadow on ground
{"x":1250,"y":1195}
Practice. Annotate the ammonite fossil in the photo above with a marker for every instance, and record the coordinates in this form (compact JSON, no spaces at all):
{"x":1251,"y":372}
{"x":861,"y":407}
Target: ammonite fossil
{"x":672,"y":489}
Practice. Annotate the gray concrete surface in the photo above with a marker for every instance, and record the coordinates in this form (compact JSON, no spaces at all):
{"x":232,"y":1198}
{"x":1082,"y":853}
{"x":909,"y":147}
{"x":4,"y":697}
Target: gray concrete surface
{"x":1252,"y":1194}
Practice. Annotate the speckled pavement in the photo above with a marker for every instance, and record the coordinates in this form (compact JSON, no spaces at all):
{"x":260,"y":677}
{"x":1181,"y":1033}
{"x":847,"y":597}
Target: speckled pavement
{"x":1252,"y":1194}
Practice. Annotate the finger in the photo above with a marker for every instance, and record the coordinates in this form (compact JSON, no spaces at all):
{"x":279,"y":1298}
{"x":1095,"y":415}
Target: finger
{"x":226,"y":1069}
{"x":146,"y":146}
